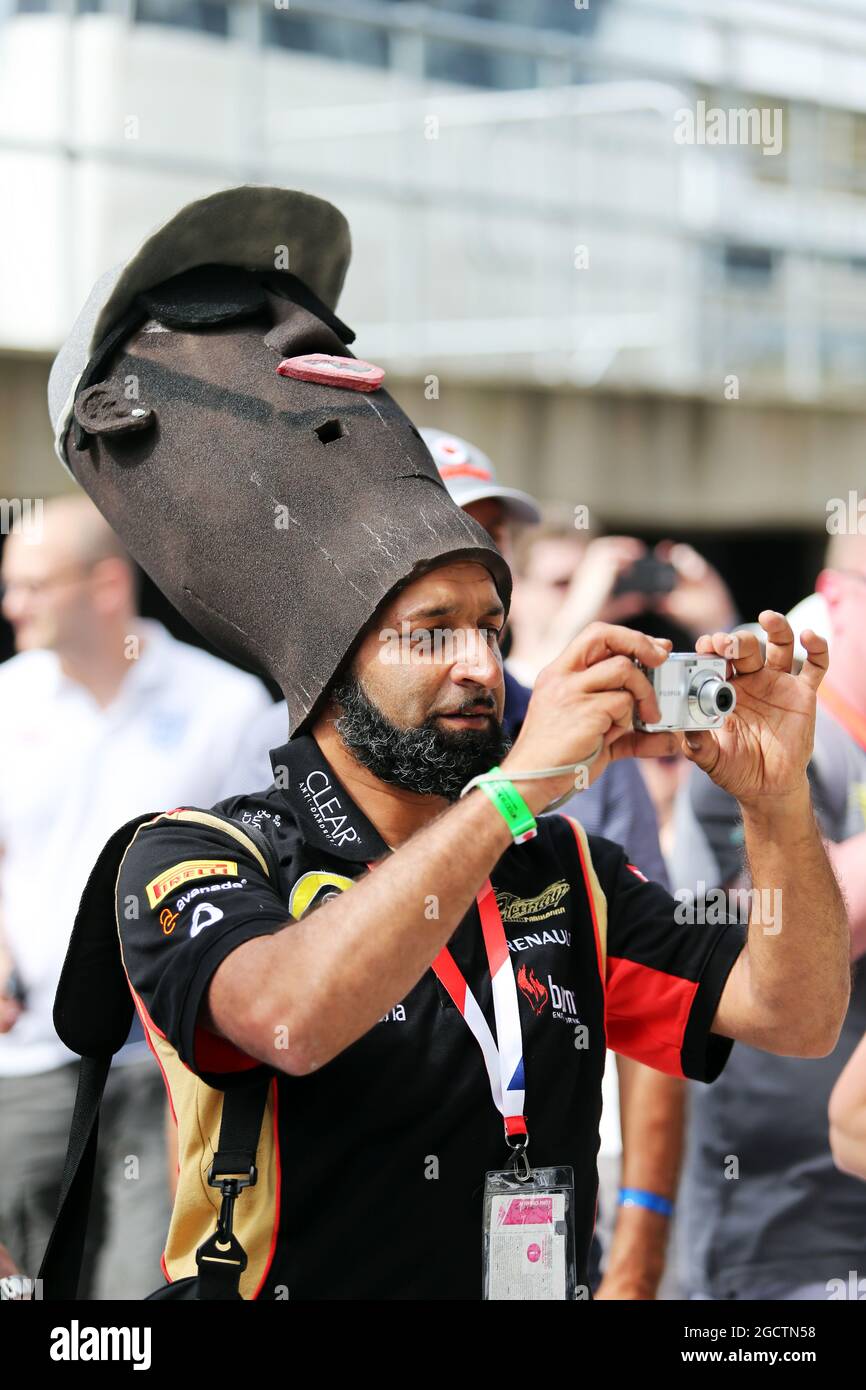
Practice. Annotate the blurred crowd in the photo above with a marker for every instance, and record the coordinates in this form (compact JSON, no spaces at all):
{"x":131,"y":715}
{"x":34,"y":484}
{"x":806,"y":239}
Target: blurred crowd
{"x":758,"y":1180}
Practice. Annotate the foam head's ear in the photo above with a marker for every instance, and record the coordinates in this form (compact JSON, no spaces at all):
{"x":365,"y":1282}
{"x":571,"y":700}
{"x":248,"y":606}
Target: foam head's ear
{"x":104,"y":409}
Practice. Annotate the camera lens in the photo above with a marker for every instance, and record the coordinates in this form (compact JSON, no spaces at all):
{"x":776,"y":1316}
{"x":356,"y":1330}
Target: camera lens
{"x":714,"y":697}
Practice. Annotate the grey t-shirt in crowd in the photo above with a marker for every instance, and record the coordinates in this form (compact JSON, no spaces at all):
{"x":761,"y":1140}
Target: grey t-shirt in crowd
{"x":618,"y":806}
{"x":761,"y":1200}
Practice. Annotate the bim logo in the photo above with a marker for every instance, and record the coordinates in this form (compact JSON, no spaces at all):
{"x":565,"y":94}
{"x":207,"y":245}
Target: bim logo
{"x":539,"y":995}
{"x":561,"y":999}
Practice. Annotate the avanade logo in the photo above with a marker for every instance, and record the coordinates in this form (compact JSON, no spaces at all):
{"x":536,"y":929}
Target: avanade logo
{"x":77,"y":1343}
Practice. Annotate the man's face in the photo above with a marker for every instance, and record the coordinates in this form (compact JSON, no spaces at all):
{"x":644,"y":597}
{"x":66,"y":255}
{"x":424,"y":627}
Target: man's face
{"x":845,"y":594}
{"x":540,"y":591}
{"x":551,"y":567}
{"x":422,"y":707}
{"x":45,"y":592}
{"x":491,"y":514}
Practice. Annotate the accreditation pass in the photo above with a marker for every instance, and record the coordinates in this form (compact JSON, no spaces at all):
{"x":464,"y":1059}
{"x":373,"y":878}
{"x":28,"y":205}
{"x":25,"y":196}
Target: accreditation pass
{"x":527,"y":1250}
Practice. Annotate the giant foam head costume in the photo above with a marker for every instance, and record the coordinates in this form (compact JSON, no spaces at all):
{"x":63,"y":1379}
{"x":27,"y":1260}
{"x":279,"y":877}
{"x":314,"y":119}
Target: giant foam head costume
{"x":259,"y":473}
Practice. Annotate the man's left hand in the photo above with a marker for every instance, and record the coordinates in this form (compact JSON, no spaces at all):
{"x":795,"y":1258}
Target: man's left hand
{"x":763,"y":747}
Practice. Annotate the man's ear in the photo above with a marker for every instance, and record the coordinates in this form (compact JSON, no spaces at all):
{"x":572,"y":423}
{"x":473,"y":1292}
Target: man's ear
{"x":829,"y":586}
{"x":104,"y":409}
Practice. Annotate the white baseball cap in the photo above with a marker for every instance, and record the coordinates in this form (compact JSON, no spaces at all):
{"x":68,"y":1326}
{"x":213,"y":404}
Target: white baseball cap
{"x":469,"y":475}
{"x":812,"y":612}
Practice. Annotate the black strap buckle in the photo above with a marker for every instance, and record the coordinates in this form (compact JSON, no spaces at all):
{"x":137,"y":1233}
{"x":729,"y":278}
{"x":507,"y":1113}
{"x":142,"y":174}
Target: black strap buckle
{"x":221,"y":1259}
{"x":230,"y":1185}
{"x":219,"y":1178}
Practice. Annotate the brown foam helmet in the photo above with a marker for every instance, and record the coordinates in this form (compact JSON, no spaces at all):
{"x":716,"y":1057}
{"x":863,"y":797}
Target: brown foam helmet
{"x":276,"y":509}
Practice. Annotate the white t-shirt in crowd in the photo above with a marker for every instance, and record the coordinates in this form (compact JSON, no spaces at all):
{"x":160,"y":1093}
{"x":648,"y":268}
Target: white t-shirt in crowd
{"x":251,"y":769}
{"x":71,"y":772}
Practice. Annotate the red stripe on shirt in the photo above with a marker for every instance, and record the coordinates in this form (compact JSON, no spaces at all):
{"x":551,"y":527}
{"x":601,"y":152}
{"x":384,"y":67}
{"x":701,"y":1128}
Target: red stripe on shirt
{"x":211,"y":1052}
{"x":216,"y":1054}
{"x":647,"y":1013}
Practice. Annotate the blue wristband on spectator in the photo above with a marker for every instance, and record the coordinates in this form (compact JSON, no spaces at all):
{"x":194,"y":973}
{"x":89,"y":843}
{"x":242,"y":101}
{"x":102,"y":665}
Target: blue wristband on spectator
{"x":637,"y":1197}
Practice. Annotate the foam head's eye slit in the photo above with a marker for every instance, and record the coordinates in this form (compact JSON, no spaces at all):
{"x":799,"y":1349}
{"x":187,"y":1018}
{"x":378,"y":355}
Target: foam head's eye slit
{"x":331,"y":430}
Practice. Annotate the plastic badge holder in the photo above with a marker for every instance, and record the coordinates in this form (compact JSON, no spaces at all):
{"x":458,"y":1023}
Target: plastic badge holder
{"x":528,"y":1250}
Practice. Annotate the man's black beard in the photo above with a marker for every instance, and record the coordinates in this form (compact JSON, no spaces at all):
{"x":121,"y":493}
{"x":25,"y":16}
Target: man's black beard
{"x":426,"y":759}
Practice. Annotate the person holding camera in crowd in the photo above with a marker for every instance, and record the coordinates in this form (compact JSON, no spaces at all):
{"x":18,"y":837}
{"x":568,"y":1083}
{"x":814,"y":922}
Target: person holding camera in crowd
{"x":347,"y":937}
{"x":674,"y":997}
{"x":643,"y":1110}
{"x":789,"y":1224}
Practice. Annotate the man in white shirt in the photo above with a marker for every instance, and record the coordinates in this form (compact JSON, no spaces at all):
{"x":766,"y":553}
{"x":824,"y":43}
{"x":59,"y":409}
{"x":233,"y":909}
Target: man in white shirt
{"x":103,"y":715}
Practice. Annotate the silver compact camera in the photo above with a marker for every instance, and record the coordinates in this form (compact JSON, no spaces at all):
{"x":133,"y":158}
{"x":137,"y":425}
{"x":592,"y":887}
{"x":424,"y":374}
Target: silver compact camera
{"x":692,"y":692}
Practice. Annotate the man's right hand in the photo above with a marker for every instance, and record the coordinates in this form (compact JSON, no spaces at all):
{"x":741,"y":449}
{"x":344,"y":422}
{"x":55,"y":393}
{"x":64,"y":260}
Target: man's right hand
{"x":586,"y":700}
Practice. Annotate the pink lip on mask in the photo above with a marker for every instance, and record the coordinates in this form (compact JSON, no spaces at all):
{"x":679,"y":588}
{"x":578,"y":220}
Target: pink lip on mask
{"x":327,"y":370}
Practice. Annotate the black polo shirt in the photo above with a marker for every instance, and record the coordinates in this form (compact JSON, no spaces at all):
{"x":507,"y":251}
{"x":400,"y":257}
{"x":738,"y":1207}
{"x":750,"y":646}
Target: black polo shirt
{"x":371,"y":1169}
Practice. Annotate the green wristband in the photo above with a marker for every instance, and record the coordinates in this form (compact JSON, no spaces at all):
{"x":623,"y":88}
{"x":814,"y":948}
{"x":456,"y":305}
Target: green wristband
{"x":510,"y":805}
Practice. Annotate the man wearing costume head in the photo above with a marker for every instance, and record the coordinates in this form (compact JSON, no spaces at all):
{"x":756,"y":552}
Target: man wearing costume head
{"x":418,"y":976}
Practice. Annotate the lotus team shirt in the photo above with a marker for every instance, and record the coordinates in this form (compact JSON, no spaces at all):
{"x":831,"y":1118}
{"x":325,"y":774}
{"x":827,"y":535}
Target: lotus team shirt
{"x":371,"y":1169}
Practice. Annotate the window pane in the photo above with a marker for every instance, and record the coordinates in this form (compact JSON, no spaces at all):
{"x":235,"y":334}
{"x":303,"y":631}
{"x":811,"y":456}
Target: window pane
{"x":478,"y":67}
{"x":332,"y":38}
{"x":209,"y":16}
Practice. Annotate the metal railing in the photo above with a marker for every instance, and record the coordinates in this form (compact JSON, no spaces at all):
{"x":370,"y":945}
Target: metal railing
{"x":671,"y":309}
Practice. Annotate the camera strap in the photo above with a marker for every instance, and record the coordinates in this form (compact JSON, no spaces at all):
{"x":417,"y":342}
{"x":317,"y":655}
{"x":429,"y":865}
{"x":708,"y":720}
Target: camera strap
{"x":92,"y":1014}
{"x":221,"y":1258}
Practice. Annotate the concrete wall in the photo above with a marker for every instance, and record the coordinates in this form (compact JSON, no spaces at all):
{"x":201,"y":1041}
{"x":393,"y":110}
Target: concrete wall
{"x":656,"y":461}
{"x":632,"y":459}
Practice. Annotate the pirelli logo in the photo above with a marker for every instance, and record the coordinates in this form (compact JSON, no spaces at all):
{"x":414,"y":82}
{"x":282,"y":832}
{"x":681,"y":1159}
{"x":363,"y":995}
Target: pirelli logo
{"x":171,"y":879}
